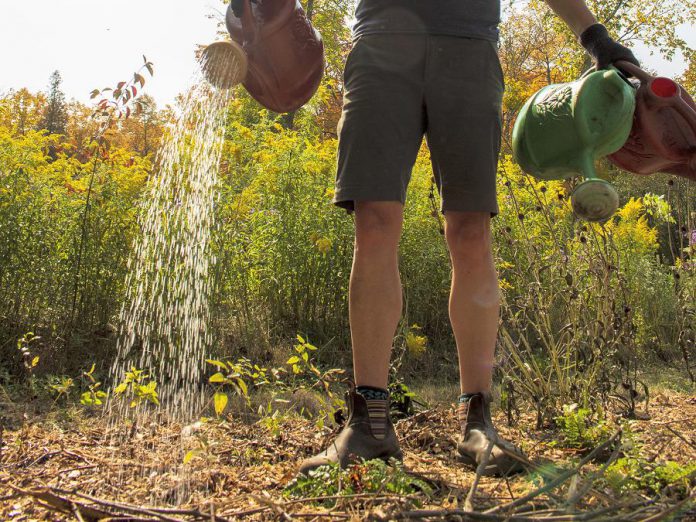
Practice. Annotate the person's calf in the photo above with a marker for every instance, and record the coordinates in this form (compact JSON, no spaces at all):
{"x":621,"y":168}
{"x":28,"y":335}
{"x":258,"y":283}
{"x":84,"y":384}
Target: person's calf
{"x":474,"y":298}
{"x":375,"y":296}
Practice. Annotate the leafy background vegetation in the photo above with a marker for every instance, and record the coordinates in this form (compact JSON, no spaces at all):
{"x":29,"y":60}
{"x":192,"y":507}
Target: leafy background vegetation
{"x":586,"y":307}
{"x":592,"y":314}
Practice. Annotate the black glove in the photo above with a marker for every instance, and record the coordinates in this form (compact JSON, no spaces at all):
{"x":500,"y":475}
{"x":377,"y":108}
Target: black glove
{"x":604,"y":50}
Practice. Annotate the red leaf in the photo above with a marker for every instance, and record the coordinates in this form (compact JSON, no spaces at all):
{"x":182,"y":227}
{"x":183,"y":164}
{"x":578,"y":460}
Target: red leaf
{"x":120,"y":85}
{"x":135,"y":91}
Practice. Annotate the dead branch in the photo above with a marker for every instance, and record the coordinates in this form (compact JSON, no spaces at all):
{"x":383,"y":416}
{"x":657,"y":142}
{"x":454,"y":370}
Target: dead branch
{"x":561,"y":478}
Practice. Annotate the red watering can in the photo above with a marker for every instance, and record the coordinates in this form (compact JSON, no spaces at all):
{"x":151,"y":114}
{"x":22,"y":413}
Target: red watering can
{"x":663,"y":136}
{"x":275,"y":52}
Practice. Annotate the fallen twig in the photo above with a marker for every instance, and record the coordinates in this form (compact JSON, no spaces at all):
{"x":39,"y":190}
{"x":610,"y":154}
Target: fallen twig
{"x":558,"y":481}
{"x":468,"y":501}
{"x":662,"y":515}
{"x":689,"y":442}
{"x":308,"y":500}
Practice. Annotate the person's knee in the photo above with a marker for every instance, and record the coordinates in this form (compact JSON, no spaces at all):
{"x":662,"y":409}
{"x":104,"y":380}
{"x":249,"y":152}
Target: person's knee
{"x":378,"y":225}
{"x":468,"y":236}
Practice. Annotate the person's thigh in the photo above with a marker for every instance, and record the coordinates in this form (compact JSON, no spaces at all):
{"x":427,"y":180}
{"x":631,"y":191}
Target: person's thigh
{"x":464,"y":90}
{"x":382,"y":124}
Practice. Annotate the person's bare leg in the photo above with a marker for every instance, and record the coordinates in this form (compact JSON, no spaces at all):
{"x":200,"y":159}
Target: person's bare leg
{"x":474,"y":304}
{"x":375,"y":298}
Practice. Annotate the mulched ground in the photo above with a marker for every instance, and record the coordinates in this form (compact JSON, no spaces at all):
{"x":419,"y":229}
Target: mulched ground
{"x":54,"y":465}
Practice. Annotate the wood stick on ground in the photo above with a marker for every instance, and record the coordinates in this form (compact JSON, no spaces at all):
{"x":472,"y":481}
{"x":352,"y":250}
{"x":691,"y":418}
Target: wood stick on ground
{"x":582,"y":489}
{"x":475,"y":515}
{"x":689,"y":442}
{"x":159,"y":512}
{"x":61,"y":504}
{"x":53,"y":498}
{"x":469,"y":501}
{"x":558,"y":481}
{"x":672,"y":509}
{"x":374,"y":496}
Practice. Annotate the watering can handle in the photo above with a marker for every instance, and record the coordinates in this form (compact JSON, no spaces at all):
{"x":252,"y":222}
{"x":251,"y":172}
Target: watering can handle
{"x":634,"y":70}
{"x":677,"y":102}
{"x":594,"y":69}
{"x":249,"y":27}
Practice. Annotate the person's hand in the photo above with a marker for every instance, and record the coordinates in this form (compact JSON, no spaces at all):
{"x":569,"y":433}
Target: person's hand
{"x":605,"y":51}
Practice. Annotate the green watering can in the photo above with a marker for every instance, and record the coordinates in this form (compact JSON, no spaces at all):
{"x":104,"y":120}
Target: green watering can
{"x":564,"y":128}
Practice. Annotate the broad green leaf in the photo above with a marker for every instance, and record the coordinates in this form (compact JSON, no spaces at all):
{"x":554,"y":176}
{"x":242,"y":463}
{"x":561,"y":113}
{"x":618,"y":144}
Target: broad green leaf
{"x":218,"y":377}
{"x":242,"y":386}
{"x":86,"y":399}
{"x":220,"y":400}
{"x":293,"y":360}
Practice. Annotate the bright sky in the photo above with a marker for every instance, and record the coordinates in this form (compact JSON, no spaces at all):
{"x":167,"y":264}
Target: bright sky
{"x":95,"y":43}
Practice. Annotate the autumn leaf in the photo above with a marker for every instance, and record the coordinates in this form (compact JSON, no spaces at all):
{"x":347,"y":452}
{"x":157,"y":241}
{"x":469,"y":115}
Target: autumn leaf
{"x":220,"y":401}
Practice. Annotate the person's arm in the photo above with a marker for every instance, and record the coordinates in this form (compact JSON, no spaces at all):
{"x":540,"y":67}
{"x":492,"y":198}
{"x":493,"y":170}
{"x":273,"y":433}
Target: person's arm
{"x":593,"y":36}
{"x":574,"y":13}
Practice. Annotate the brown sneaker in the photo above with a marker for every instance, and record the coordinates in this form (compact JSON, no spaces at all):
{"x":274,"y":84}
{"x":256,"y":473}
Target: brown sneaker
{"x":356,"y":440}
{"x":478,"y":432}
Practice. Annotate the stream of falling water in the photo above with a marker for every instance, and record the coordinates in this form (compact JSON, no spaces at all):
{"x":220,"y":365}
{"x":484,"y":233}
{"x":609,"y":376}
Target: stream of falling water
{"x":164,"y":321}
{"x":165,"y":316}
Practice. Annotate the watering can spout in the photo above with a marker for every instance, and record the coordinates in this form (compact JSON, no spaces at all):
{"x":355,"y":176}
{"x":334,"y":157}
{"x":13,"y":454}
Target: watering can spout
{"x":224,"y":64}
{"x":564,"y":128}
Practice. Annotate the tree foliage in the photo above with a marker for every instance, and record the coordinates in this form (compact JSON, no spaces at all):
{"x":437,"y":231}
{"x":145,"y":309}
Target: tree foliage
{"x":55,"y":116}
{"x":284,"y":251}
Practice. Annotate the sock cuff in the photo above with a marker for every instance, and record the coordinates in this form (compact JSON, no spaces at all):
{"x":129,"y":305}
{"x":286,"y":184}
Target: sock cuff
{"x":465,"y":397}
{"x":373,"y":393}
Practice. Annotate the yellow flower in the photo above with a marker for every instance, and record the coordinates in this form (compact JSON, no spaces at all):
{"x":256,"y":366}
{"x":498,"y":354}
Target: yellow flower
{"x":632,"y":210}
{"x":244,"y":132}
{"x":330,"y":193}
{"x":415,"y":344}
{"x":324,"y":245}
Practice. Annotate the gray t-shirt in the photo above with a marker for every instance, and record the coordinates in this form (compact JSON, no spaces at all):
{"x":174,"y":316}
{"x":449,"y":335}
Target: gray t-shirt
{"x":468,"y":18}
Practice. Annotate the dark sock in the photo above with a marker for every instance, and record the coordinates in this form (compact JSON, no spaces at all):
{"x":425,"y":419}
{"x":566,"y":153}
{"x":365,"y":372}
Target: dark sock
{"x":377,"y":408}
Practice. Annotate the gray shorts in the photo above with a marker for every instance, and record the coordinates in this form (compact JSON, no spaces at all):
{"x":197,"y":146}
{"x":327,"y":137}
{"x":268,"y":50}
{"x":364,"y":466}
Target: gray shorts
{"x":399,"y":87}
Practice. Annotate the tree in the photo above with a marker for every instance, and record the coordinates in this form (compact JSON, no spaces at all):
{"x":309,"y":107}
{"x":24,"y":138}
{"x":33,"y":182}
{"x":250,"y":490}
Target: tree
{"x":688,"y":79}
{"x":55,"y":116}
{"x":20,"y":110}
{"x":537,"y":48}
{"x":142,"y":131}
